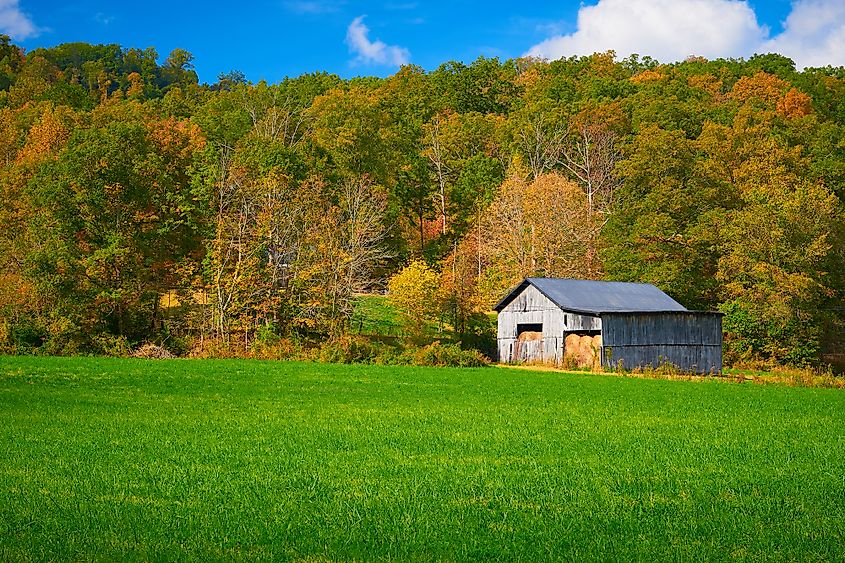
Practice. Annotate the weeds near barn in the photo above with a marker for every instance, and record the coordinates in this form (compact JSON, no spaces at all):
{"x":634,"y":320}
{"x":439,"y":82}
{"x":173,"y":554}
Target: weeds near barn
{"x":822,"y":378}
{"x":794,"y":377}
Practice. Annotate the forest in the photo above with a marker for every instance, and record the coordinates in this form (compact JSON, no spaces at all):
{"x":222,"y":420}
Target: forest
{"x":141,"y":206}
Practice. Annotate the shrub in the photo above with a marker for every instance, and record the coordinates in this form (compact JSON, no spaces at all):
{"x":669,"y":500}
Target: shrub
{"x":111,"y":345}
{"x":753,"y":338}
{"x":27,"y":334}
{"x":176,"y":345}
{"x":393,"y":357}
{"x":348,"y":350}
{"x":214,"y":348}
{"x":269,"y":345}
{"x":65,"y":337}
{"x":451,"y":355}
{"x":266,"y":335}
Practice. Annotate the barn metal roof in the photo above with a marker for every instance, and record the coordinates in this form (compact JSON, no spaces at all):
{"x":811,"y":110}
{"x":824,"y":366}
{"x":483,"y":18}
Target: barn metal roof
{"x":597,"y":297}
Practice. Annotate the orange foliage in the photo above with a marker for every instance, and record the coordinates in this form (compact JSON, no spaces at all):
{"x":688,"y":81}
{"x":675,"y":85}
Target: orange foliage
{"x":529,"y":77}
{"x":762,"y":86}
{"x":607,"y":116}
{"x":795,"y":104}
{"x":432,"y":228}
{"x":180,"y":136}
{"x":15,"y":291}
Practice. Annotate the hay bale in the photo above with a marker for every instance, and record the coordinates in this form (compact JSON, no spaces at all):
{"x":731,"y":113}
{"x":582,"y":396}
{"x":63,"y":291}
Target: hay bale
{"x":582,"y":351}
{"x":152,"y":352}
{"x":570,"y":350}
{"x":529,"y":346}
{"x":571,"y":345}
{"x":529,"y":336}
{"x":585,"y":351}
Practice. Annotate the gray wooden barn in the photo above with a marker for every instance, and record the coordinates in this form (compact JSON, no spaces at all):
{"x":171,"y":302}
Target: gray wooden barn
{"x":614,"y":324}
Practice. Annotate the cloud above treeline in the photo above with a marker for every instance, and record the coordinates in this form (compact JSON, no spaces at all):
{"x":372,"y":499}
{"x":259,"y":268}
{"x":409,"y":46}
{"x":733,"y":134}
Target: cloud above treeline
{"x":373,"y":52}
{"x":671,"y":30}
{"x":814,"y":34}
{"x":15,"y":23}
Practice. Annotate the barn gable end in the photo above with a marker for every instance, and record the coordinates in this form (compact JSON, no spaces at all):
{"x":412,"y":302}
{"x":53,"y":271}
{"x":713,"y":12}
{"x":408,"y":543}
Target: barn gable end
{"x":531,"y":307}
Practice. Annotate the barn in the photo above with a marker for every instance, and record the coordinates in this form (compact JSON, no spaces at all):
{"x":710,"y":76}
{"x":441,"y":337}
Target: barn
{"x":612,"y":324}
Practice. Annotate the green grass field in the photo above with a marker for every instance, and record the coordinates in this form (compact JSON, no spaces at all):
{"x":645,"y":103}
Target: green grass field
{"x":174,"y":460}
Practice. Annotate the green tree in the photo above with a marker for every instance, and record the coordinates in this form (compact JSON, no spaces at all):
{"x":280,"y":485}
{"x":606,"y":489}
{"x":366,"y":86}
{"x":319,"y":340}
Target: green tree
{"x":116,"y":218}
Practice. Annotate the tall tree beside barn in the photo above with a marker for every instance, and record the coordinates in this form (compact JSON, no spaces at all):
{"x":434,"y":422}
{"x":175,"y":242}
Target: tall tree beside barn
{"x":537,"y":228}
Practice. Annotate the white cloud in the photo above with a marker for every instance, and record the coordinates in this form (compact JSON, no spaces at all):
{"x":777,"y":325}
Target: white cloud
{"x":373,"y":52}
{"x":667,"y":30}
{"x":14,"y":22}
{"x":813,"y":34}
{"x":671,"y":30}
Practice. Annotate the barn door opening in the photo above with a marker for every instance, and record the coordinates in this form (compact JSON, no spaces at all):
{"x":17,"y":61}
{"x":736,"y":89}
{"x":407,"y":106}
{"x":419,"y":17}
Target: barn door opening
{"x":529,"y":342}
{"x":529,"y":327}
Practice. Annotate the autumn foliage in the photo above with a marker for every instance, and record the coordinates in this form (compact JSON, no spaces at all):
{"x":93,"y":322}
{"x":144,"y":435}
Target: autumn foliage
{"x":139,"y":205}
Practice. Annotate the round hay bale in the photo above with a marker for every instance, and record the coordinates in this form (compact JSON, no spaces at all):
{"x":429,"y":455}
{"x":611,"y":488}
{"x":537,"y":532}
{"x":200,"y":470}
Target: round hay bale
{"x":571,"y":345}
{"x":529,"y":346}
{"x":585,"y":351}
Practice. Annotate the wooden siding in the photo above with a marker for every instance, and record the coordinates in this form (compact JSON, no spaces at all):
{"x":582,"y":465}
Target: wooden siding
{"x":532,"y":307}
{"x":690,"y":340}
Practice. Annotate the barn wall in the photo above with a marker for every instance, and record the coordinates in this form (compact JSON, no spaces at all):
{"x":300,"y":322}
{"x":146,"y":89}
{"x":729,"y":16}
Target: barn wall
{"x":690,"y":340}
{"x":531,"y":306}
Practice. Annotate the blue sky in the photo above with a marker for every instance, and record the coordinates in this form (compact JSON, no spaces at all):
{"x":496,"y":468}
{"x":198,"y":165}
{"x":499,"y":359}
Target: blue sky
{"x":271,"y":39}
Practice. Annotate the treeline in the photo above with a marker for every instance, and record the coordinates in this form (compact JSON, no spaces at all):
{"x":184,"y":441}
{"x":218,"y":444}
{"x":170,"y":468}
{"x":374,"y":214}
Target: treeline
{"x":138,"y":205}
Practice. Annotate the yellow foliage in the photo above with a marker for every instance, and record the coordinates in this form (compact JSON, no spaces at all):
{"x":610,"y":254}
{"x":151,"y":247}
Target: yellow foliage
{"x":45,"y":138}
{"x":706,"y":82}
{"x":646,"y":76}
{"x":539,"y":228}
{"x":414,"y":293}
{"x":136,"y":85}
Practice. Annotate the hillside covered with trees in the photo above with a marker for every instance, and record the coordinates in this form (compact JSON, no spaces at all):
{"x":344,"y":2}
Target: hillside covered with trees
{"x":139,"y":205}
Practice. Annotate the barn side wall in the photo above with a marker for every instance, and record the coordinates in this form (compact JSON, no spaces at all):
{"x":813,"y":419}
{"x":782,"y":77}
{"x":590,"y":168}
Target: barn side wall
{"x":532,"y":307}
{"x":690,"y":340}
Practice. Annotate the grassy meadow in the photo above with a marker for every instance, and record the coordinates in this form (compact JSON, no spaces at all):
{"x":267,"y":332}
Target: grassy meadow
{"x":234,"y":459}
